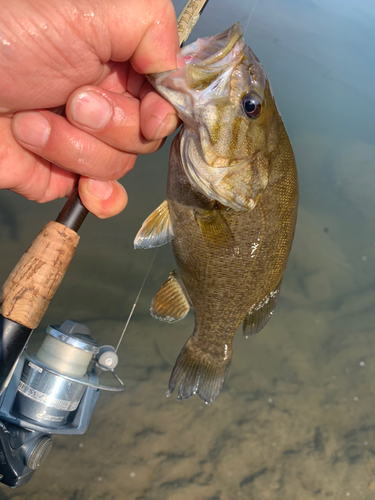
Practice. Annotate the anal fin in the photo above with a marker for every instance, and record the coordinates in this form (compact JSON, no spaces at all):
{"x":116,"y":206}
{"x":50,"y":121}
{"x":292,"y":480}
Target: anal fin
{"x":260,"y":313}
{"x":156,"y":229}
{"x":170,"y":303}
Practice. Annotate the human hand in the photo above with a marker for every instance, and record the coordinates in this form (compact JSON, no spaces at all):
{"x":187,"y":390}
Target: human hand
{"x":91,"y":57}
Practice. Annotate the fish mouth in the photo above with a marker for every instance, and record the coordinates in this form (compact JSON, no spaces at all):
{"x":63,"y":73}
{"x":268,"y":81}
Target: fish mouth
{"x":208,"y":76}
{"x":208,"y":57}
{"x":206,"y":60}
{"x":212,"y":49}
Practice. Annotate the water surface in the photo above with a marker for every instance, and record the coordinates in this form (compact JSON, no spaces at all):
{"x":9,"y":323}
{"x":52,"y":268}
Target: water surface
{"x":296,"y":418}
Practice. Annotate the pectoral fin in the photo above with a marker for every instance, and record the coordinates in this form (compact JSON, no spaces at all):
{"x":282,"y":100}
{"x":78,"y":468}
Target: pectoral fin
{"x":259,"y":314}
{"x":156,"y":229}
{"x":170,"y":303}
{"x":214,"y":229}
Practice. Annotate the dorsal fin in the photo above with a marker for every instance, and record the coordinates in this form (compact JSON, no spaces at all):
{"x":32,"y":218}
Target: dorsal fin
{"x":170,"y":303}
{"x":259,"y":314}
{"x":156,"y":229}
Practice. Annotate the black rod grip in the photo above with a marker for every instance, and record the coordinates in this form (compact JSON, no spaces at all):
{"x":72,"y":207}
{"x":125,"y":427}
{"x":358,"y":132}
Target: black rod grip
{"x":73,"y":213}
{"x":13,"y":340}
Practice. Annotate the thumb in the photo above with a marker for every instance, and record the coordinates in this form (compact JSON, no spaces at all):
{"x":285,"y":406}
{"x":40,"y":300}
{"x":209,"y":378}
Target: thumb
{"x":74,"y":43}
{"x":102,"y":198}
{"x":144,"y":32}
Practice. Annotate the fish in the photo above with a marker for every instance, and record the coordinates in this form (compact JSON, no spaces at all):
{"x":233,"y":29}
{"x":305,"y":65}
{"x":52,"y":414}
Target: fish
{"x":230,"y":209}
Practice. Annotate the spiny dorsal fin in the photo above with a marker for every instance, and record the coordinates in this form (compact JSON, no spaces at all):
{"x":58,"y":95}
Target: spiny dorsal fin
{"x":156,"y":229}
{"x":214,"y":229}
{"x":259,"y":314}
{"x":170,"y":303}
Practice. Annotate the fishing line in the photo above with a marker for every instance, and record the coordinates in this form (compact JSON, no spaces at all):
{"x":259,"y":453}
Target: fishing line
{"x":136,"y":301}
{"x":251,"y":15}
{"x":185,"y":23}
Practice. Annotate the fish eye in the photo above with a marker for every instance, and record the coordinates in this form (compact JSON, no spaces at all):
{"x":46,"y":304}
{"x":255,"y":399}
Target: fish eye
{"x":251,"y":105}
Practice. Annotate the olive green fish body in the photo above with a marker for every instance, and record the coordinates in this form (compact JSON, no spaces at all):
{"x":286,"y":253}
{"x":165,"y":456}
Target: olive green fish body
{"x":225,"y":282}
{"x":230,"y":211}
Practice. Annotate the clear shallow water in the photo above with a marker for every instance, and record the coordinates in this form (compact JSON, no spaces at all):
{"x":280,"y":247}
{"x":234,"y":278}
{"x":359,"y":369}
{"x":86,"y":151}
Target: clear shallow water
{"x":296,"y":416}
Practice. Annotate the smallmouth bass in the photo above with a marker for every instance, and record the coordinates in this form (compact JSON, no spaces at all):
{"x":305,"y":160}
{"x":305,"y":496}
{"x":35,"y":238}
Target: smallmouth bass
{"x":230,"y":210}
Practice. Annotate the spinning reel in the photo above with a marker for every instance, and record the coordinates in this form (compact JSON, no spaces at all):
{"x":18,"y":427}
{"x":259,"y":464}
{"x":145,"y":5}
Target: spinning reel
{"x":53,"y":391}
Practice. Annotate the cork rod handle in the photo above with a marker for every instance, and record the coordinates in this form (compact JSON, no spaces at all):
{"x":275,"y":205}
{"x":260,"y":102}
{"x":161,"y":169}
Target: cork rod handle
{"x":30,"y":287}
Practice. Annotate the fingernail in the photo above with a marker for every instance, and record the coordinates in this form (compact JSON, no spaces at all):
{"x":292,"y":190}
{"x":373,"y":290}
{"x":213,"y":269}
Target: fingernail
{"x":180,"y":61}
{"x":91,"y":110}
{"x":168,"y":126}
{"x":32,"y":128}
{"x":100,"y":189}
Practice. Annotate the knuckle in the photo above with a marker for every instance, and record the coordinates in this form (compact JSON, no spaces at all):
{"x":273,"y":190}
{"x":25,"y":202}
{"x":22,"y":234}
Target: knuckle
{"x":122,"y":166}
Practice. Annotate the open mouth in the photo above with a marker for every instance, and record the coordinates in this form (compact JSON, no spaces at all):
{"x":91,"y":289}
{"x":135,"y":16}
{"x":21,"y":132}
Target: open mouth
{"x":210,"y":50}
{"x":208,"y":57}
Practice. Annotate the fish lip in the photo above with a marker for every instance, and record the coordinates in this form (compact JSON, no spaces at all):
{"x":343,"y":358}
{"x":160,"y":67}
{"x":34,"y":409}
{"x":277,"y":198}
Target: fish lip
{"x":223,"y":43}
{"x":210,"y":57}
{"x":210,"y":63}
{"x":232,"y":35}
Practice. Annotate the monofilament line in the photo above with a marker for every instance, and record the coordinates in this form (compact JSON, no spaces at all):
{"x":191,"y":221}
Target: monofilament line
{"x":136,"y":301}
{"x":251,"y":15}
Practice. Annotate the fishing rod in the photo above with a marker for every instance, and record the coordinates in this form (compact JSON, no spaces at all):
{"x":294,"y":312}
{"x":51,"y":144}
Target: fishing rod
{"x":53,"y":391}
{"x":27,"y":292}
